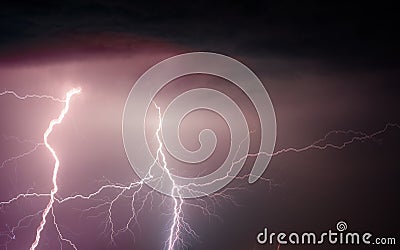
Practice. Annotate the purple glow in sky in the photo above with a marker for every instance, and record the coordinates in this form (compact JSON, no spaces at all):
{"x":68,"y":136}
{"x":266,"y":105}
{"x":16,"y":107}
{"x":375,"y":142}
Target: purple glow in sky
{"x":331,"y":74}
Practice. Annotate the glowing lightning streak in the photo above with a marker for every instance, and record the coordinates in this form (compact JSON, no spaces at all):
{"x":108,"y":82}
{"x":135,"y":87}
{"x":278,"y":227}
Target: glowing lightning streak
{"x":177,"y":211}
{"x":56,"y":164}
{"x":178,"y":225}
{"x":37,"y":145}
{"x":9,"y":92}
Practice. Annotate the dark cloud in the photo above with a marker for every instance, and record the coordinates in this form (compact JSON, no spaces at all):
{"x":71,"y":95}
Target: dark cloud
{"x":348,"y":33}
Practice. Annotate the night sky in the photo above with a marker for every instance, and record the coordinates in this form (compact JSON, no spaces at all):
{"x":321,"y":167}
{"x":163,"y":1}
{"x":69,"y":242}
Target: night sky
{"x":326,"y":67}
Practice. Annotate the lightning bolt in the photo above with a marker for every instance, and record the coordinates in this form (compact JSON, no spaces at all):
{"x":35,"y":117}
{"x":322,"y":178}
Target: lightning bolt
{"x":36,"y":145}
{"x":54,"y":190}
{"x":53,"y":153}
{"x":177,"y":226}
{"x":177,"y":208}
{"x":319,"y":144}
{"x":20,"y":97}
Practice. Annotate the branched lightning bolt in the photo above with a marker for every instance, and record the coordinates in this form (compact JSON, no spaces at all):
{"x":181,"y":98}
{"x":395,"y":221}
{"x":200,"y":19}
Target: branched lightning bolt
{"x":319,"y":144}
{"x":105,"y":204}
{"x":178,"y":202}
{"x":54,"y":190}
{"x":177,"y":223}
{"x":36,"y":145}
{"x":9,"y":92}
{"x":16,"y":157}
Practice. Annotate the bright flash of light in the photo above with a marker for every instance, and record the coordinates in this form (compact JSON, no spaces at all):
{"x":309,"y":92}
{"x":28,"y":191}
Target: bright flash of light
{"x":54,"y":190}
{"x":104,"y":205}
{"x":177,"y":209}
